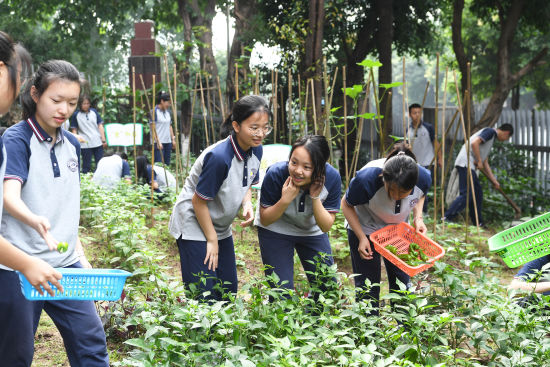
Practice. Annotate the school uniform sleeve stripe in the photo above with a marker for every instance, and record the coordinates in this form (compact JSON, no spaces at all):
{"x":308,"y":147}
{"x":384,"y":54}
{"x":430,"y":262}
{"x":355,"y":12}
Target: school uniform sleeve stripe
{"x":204,"y":197}
{"x":332,"y":210}
{"x":12,"y":177}
{"x":363,"y":186}
{"x":272,"y":185}
{"x":333,"y":183}
{"x":215,"y":168}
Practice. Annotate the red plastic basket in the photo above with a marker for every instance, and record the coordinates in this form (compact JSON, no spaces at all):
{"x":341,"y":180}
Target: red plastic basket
{"x":400,"y":236}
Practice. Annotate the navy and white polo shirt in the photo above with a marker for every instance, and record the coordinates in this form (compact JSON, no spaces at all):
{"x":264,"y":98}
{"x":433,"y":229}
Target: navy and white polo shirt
{"x":163,"y":121}
{"x":50,"y":187}
{"x":222,"y":175}
{"x":161,"y":177}
{"x":298,"y":219}
{"x":422,"y":140}
{"x":87,"y":125}
{"x":110,"y":170}
{"x":372,"y":203}
{"x":487,"y":137}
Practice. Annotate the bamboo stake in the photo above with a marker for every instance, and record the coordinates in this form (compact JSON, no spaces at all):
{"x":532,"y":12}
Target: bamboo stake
{"x":223,"y":112}
{"x":467,"y":143}
{"x":404,"y":106}
{"x":145,"y":92}
{"x":191,"y":123}
{"x":377,"y":102}
{"x":443,"y":138}
{"x":425,"y":93}
{"x":204,"y":113}
{"x":468,"y":105}
{"x":104,"y":92}
{"x":172,"y":103}
{"x":315,"y":130}
{"x":134,"y":118}
{"x":305,"y":106}
{"x":153,"y":128}
{"x":345,"y":125}
{"x":328,"y":106}
{"x":435,"y":127}
{"x":236,"y":81}
{"x":289,"y":112}
{"x":209,"y":108}
{"x":275,"y":107}
{"x":179,"y":162}
{"x":355,"y":157}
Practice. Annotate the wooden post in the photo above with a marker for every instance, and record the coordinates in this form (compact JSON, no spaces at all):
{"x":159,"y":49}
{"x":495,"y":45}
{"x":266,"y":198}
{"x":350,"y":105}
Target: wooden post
{"x":209,"y":107}
{"x":222,"y":108}
{"x":377,"y":103}
{"x":305,"y":106}
{"x":179,"y":162}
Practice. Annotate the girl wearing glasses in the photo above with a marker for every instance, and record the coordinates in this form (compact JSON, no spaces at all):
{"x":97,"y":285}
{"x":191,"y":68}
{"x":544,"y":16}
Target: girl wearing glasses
{"x":89,"y":125}
{"x":218,"y":185}
{"x":298,"y":203}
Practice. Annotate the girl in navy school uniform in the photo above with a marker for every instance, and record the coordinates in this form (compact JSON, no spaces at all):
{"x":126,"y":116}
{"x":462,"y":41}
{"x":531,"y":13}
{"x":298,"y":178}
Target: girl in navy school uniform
{"x":298,"y":202}
{"x":164,"y":137}
{"x":89,"y":125}
{"x":383,"y":192}
{"x":218,"y":185}
{"x":42,"y":202}
{"x":13,"y":60}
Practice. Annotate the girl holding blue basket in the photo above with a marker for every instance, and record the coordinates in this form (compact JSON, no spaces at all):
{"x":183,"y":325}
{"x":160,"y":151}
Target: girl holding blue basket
{"x":13,"y":60}
{"x":298,"y":203}
{"x":383,"y":192}
{"x":42,"y":207}
{"x":218,"y":185}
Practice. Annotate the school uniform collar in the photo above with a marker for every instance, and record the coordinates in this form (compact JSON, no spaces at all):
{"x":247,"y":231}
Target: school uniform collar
{"x":41,"y":134}
{"x":241,"y":154}
{"x":419,"y":125}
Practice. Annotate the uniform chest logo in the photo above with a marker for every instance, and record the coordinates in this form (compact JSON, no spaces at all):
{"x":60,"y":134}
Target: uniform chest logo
{"x":413,"y":202}
{"x":253,"y":172}
{"x":72,"y":164}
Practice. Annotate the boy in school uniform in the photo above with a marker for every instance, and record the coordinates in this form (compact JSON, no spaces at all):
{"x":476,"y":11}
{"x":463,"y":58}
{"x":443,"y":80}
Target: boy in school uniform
{"x":480,"y":146}
{"x":421,"y":136}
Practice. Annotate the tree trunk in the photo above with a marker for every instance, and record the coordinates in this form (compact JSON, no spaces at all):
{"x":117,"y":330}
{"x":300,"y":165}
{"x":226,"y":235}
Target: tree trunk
{"x":384,"y":40}
{"x":243,"y":41}
{"x":312,"y":67}
{"x":460,"y":54}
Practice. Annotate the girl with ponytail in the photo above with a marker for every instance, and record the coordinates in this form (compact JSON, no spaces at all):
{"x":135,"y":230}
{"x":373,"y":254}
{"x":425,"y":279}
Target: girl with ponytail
{"x":218,"y":185}
{"x":42,"y":208}
{"x":383,"y":192}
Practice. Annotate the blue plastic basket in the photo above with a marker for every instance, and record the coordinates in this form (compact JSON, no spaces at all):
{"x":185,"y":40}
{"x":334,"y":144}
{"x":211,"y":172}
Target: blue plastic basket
{"x":81,"y":284}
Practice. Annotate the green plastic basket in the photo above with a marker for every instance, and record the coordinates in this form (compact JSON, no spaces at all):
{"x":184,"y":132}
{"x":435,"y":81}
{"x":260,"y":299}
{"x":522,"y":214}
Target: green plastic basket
{"x":523,"y":243}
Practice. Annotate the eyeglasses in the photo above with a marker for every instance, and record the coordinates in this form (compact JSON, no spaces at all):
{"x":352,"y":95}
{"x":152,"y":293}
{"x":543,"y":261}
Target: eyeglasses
{"x":257,"y":130}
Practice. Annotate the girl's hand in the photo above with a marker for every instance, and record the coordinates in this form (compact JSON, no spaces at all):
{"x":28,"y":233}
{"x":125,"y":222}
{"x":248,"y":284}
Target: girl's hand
{"x":248,"y":214}
{"x":289,"y":191}
{"x":316,"y":187}
{"x":42,"y":226}
{"x":364,"y":248}
{"x":211,"y":255}
{"x":39,"y":273}
{"x":159,"y":145}
{"x":420,"y":226}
